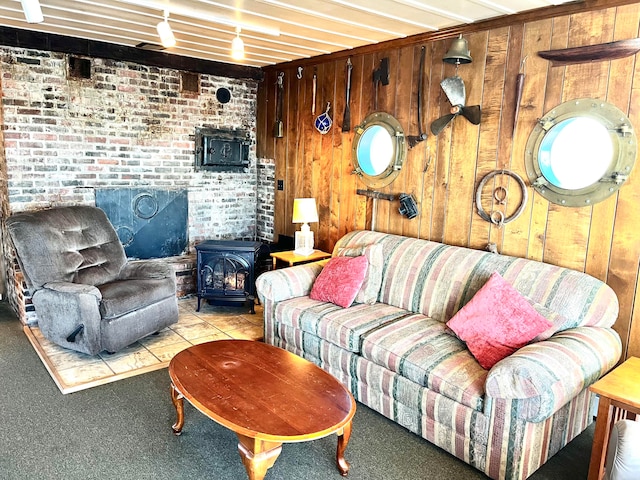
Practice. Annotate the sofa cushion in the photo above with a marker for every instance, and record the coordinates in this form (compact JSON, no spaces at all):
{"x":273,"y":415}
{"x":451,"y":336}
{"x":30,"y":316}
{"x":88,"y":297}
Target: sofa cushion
{"x":341,"y":326}
{"x":497,"y":321}
{"x":370,"y":289}
{"x":419,"y":349}
{"x":340,"y":280}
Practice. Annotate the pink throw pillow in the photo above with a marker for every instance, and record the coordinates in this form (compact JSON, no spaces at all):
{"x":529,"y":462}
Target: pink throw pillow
{"x":340,"y":280}
{"x":496,"y":322}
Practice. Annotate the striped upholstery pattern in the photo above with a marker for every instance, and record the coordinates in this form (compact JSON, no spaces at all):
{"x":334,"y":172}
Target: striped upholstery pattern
{"x":410,"y":344}
{"x":548,"y":374}
{"x":499,"y":444}
{"x":437,"y":280}
{"x":396,"y":357}
{"x":418,"y":348}
{"x":341,"y":326}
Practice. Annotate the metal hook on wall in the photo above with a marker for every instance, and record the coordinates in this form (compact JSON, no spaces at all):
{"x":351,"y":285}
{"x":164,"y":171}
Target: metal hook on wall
{"x":299,"y":74}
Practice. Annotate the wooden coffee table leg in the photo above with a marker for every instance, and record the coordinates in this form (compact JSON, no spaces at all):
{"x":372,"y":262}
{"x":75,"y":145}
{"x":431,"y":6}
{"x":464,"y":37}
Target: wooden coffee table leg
{"x":257,"y":455}
{"x":178,"y":402}
{"x":343,"y":439}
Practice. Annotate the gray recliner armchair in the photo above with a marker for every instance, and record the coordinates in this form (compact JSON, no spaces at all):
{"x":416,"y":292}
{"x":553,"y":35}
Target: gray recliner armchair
{"x":86,"y":295}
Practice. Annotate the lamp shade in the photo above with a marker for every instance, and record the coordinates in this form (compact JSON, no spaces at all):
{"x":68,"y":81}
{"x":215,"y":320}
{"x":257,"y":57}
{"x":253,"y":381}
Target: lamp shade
{"x":304,"y":210}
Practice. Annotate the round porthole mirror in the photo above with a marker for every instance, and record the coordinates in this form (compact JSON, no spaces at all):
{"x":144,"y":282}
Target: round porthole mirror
{"x":580,"y":153}
{"x":379,"y":149}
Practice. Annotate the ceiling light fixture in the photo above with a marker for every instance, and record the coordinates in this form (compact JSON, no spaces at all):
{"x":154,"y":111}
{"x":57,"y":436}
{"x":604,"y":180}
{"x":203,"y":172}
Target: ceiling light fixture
{"x":237,"y":46}
{"x":186,"y":11}
{"x":167,"y":38}
{"x":32,"y":11}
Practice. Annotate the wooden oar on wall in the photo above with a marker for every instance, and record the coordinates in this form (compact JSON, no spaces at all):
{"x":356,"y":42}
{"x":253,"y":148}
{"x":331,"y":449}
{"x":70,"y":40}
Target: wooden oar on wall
{"x":278,"y":127}
{"x":592,"y":53}
{"x":346,"y":119}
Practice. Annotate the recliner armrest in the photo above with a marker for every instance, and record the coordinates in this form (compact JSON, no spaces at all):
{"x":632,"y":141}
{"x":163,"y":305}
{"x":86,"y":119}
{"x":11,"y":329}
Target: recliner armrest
{"x":74,"y":288}
{"x":62,"y":307}
{"x":145,"y":269}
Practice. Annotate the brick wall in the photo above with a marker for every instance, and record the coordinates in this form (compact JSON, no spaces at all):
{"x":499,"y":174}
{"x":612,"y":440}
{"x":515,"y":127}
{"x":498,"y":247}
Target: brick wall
{"x":128,"y":125}
{"x":266,"y":198}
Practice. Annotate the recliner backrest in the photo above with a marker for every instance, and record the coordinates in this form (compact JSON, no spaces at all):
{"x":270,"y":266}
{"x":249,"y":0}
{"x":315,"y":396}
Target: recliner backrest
{"x":74,"y":244}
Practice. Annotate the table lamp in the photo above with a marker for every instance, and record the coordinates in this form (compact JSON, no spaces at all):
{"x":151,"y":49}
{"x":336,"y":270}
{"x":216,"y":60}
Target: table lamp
{"x":304,"y":211}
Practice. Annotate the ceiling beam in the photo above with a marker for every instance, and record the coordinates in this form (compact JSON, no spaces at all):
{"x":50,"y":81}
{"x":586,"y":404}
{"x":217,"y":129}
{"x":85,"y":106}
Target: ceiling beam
{"x":15,"y":37}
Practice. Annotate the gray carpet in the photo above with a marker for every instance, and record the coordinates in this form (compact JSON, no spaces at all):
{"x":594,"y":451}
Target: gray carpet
{"x":123,"y":431}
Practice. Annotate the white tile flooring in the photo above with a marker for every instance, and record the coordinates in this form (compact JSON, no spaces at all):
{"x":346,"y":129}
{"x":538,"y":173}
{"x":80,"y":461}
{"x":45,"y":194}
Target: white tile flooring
{"x":74,"y":371}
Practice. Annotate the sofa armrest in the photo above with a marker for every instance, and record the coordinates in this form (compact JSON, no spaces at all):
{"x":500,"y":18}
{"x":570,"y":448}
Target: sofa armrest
{"x":145,"y":269}
{"x":544,"y":376}
{"x":278,"y":285}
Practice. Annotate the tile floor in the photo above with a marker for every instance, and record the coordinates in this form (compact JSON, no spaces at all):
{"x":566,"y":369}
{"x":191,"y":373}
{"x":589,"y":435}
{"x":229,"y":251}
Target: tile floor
{"x":74,"y":371}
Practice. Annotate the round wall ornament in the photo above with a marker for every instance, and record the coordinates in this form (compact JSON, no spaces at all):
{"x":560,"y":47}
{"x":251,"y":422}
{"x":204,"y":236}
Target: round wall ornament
{"x":499,"y":197}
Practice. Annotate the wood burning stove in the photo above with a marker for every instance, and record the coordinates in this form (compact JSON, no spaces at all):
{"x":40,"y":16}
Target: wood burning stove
{"x":226,"y":271}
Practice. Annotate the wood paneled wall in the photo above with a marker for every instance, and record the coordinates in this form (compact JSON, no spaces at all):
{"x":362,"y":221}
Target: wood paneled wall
{"x":444,"y":171}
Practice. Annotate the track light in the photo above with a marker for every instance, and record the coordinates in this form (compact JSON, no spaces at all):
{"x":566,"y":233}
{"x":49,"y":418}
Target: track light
{"x":237,"y":46}
{"x":167,"y":38}
{"x":32,"y":11}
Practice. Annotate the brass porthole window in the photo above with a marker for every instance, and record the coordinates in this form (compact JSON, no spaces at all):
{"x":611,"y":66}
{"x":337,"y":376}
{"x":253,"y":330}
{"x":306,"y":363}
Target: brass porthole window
{"x":581,"y":152}
{"x":379,"y":149}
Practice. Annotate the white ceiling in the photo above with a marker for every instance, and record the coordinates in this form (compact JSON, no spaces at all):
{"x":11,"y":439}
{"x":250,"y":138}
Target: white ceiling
{"x":305,"y":28}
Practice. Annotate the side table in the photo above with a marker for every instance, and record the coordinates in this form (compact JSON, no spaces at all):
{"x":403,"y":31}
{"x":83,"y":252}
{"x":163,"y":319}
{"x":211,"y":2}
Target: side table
{"x":293,"y":258}
{"x":619,"y":392}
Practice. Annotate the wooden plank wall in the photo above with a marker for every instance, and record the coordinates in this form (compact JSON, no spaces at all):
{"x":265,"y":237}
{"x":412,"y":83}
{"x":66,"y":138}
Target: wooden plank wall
{"x":443,"y":172}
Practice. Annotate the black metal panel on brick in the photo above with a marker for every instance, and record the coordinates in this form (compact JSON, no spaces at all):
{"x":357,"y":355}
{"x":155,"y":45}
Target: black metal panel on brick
{"x":151,"y":223}
{"x":221,"y":150}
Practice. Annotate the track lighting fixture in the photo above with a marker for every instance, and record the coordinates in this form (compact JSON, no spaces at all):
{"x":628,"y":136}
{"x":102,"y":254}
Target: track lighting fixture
{"x":32,"y":11}
{"x":237,"y":46}
{"x":167,"y":38}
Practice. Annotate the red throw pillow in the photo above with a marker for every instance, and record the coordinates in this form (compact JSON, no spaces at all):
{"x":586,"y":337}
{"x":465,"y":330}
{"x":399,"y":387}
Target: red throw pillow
{"x":340,"y":280}
{"x":496,"y":322}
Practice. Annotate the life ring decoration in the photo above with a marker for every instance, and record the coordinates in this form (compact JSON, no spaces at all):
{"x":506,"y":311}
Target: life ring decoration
{"x":323,"y":121}
{"x":500,"y":193}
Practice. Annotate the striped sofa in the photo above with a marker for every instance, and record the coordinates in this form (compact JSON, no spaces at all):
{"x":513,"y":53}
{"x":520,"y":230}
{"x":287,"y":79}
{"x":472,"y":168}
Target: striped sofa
{"x":396,"y":357}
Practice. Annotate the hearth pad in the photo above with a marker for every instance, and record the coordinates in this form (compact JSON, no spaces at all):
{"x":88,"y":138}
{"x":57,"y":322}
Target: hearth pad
{"x":74,"y":371}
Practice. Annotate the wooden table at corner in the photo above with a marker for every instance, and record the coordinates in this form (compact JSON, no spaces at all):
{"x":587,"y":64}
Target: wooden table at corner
{"x":266,"y":395}
{"x":293,"y":258}
{"x":619,"y":393}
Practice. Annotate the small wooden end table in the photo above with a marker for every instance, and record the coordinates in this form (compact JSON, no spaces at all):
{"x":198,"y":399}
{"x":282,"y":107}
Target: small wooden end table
{"x":619,"y":392}
{"x":266,"y":395}
{"x":293,"y":258}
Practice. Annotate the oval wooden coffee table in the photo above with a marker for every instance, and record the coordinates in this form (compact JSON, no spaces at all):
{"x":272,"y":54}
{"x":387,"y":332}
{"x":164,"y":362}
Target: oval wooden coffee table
{"x":266,"y":395}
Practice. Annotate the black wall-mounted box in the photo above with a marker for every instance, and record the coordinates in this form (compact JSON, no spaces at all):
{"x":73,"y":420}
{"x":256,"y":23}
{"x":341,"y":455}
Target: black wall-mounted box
{"x":221,"y":150}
